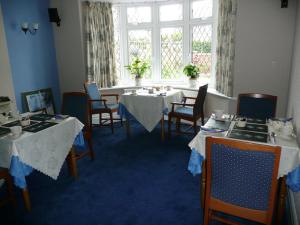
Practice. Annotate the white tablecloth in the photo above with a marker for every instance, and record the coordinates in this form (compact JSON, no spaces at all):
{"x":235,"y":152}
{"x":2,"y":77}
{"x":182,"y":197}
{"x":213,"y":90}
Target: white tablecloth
{"x":148,"y":108}
{"x":290,"y":152}
{"x":45,"y":150}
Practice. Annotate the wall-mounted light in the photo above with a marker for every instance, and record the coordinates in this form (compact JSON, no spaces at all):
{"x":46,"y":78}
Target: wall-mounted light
{"x":32,"y":30}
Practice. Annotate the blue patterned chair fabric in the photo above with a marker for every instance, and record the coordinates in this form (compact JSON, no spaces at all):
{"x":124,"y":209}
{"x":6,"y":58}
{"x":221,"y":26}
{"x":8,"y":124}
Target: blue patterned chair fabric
{"x":241,"y":180}
{"x":242,"y":177}
{"x":257,"y":106}
{"x":184,"y":110}
{"x":94,"y":94}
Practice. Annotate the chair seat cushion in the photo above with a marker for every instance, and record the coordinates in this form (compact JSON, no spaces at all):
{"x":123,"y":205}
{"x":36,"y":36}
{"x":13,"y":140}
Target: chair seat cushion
{"x":110,"y":106}
{"x":184,"y":110}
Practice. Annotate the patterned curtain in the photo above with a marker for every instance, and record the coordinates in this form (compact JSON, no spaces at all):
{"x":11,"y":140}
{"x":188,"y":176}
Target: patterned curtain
{"x":100,"y":43}
{"x":226,"y":46}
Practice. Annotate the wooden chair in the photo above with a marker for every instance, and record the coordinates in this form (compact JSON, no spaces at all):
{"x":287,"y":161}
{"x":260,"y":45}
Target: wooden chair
{"x":76,"y":104}
{"x":241,"y":180}
{"x":99,"y":105}
{"x":4,"y":174}
{"x":260,"y":106}
{"x":190,"y":112}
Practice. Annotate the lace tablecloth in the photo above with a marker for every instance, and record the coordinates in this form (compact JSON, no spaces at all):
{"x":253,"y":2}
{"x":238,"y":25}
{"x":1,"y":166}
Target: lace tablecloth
{"x":149,"y":108}
{"x":45,"y":150}
{"x":289,"y":159}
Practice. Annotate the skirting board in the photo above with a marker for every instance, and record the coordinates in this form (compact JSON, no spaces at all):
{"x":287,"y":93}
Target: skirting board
{"x":293,"y":211}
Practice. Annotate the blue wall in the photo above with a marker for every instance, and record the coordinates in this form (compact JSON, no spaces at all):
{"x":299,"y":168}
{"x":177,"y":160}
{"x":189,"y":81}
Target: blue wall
{"x":32,"y":57}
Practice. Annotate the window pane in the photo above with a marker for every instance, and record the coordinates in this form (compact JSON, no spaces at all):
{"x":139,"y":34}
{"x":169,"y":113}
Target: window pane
{"x":116,"y":17}
{"x":170,"y":12}
{"x":139,"y":45}
{"x":201,"y":47}
{"x":202,"y":9}
{"x":136,"y":15}
{"x":171,"y":52}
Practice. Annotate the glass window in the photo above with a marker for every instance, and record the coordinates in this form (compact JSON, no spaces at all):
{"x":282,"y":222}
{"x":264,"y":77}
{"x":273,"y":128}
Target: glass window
{"x":141,"y":14}
{"x":139,"y":45}
{"x":171,"y":52}
{"x":202,"y":9}
{"x":202,"y":48}
{"x":170,"y":12}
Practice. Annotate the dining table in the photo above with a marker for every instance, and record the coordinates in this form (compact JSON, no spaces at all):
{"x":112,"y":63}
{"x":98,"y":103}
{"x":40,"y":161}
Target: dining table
{"x":148,"y":107}
{"x":43,"y":145}
{"x":255,"y":130}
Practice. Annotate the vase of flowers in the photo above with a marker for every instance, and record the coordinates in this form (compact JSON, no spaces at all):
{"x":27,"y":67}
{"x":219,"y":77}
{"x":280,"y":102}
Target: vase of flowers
{"x":138,"y":69}
{"x":192,"y":71}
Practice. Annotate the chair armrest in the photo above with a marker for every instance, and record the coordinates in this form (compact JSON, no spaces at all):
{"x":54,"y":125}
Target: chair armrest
{"x":190,"y":97}
{"x":111,"y":95}
{"x":179,"y":103}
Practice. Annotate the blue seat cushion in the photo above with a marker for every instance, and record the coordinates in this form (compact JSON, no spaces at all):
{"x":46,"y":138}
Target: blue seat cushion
{"x":184,"y":110}
{"x":110,"y":106}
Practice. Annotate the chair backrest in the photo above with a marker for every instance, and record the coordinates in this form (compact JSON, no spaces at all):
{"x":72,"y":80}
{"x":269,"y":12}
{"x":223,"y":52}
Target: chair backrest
{"x":93,"y":92}
{"x":76,"y":104}
{"x":198,"y":108}
{"x":242,"y":178}
{"x":260,"y":106}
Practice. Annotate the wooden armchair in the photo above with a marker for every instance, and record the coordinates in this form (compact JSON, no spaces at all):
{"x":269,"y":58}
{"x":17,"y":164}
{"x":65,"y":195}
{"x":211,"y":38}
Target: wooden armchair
{"x":259,"y":106}
{"x":100,"y":105}
{"x":76,"y":104}
{"x":4,"y":174}
{"x":187,"y":111}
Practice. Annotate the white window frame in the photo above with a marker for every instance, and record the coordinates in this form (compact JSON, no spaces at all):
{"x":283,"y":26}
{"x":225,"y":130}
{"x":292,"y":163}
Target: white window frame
{"x":155,"y":26}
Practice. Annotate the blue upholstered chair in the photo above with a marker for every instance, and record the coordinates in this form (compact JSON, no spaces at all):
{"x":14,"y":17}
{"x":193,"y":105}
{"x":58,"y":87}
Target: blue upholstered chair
{"x":76,"y":104}
{"x":9,"y":185}
{"x":259,"y":106}
{"x":241,"y":180}
{"x":100,"y":105}
{"x":191,"y":112}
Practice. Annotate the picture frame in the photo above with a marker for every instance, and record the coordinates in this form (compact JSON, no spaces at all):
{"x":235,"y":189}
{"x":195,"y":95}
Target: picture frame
{"x":39,"y":100}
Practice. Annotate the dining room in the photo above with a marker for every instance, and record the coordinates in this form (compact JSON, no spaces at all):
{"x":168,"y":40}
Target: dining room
{"x":149,"y":112}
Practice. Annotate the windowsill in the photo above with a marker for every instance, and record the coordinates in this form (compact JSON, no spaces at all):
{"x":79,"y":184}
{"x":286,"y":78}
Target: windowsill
{"x":211,"y":91}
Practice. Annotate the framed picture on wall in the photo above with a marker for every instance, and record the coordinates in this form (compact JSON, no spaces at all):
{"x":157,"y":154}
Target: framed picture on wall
{"x":39,"y":100}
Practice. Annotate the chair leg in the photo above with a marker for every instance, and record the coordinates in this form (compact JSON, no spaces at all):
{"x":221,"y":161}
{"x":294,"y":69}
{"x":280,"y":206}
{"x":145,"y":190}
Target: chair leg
{"x":100,"y":119}
{"x":206,"y":216}
{"x":195,"y":127}
{"x":111,"y":122}
{"x":169,"y":126}
{"x":90,"y":146}
{"x":11,"y":195}
{"x":178,"y":125}
{"x":202,"y":119}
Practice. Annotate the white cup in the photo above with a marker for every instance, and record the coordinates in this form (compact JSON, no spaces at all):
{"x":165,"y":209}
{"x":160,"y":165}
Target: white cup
{"x":16,"y":130}
{"x":241,"y":123}
{"x":219,"y":113}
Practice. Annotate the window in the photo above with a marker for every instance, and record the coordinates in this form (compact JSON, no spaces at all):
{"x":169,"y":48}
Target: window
{"x":168,"y":35}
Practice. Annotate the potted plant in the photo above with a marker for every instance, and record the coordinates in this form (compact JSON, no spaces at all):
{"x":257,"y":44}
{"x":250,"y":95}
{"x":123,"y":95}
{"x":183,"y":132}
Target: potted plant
{"x":138,"y":68}
{"x":192,"y":71}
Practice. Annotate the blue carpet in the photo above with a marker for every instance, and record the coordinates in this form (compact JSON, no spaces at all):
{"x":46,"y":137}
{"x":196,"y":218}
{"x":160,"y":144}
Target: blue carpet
{"x":137,"y":181}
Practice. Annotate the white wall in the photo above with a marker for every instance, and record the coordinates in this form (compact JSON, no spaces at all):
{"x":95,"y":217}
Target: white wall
{"x":6,"y":84}
{"x":264,"y":43}
{"x":294,"y":98}
{"x":69,"y":45}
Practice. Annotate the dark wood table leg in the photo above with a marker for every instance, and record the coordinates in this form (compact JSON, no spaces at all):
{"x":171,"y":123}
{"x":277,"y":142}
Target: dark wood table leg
{"x":163,"y":128}
{"x":127,"y":124}
{"x":26,"y":199}
{"x":203,"y":183}
{"x":281,"y":200}
{"x":72,"y":163}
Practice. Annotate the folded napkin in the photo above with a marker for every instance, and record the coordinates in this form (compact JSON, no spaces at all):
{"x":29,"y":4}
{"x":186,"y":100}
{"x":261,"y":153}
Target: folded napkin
{"x":212,"y":130}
